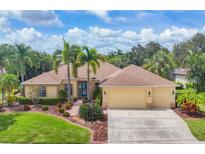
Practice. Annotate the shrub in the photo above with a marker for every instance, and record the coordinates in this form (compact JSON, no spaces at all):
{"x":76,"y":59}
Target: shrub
{"x":49,"y":101}
{"x":91,"y":112}
{"x":180,"y":86}
{"x":60,"y":105}
{"x":11,"y":99}
{"x":189,"y":85}
{"x":189,"y":107}
{"x":97,"y":92}
{"x":63,"y":94}
{"x":45,"y":108}
{"x":43,"y":101}
{"x":26,"y":108}
{"x":75,"y":99}
{"x":68,"y":106}
{"x":66,"y":114}
{"x":24,"y":101}
{"x":98,"y":100}
{"x":61,"y":110}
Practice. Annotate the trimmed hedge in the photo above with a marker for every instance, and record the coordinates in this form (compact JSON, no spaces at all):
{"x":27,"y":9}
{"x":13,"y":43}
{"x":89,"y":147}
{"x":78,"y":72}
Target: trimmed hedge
{"x":43,"y":101}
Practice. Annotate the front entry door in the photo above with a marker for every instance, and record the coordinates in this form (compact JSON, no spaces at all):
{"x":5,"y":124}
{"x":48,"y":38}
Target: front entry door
{"x":82,"y":88}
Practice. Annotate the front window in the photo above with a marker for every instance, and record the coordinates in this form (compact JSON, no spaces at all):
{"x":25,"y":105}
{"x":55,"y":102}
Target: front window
{"x":42,"y":91}
{"x":66,"y":88}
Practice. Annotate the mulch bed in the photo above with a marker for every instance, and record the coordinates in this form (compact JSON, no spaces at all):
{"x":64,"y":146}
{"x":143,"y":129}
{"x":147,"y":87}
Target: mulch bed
{"x":99,"y":128}
{"x":185,"y":114}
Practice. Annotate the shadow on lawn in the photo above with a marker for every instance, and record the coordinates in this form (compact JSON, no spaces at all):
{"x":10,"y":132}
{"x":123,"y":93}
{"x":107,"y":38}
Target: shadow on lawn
{"x":6,"y":120}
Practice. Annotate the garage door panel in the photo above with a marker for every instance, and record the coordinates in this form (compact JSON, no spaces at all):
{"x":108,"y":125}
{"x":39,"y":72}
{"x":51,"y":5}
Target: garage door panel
{"x":126,"y":98}
{"x":161,"y":98}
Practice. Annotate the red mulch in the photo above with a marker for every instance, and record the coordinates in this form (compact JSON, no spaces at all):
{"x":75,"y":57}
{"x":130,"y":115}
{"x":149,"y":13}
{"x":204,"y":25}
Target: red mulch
{"x":99,"y":128}
{"x":185,"y":114}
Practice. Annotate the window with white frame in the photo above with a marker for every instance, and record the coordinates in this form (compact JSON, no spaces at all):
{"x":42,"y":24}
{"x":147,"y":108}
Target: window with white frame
{"x":66,"y":88}
{"x":42,"y":91}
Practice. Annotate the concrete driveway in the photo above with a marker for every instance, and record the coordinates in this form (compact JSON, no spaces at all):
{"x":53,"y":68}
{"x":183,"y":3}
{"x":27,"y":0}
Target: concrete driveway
{"x":147,"y":126}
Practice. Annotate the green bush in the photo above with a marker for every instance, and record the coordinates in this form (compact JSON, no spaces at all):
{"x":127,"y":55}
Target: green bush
{"x":189,"y":85}
{"x":68,"y":106}
{"x":26,"y":108}
{"x":66,"y":114}
{"x":43,"y":101}
{"x":11,"y":99}
{"x":24,"y":101}
{"x":98,"y":100}
{"x":91,"y":112}
{"x":63,"y":94}
{"x":45,"y":108}
{"x":61,"y":110}
{"x":60,"y":104}
{"x":74,"y":99}
{"x":97,"y":92}
{"x":180,"y":86}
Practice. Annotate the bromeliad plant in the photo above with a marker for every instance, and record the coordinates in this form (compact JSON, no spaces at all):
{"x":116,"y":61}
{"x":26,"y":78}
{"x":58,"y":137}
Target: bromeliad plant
{"x":189,"y":101}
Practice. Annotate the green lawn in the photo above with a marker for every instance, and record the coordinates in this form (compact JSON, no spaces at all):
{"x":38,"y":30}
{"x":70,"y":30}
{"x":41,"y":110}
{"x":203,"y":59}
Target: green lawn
{"x":197,"y":128}
{"x":31,"y":127}
{"x":201,"y":106}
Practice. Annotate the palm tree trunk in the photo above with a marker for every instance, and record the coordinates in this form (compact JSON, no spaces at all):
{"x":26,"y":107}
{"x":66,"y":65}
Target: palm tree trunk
{"x":21,"y":88}
{"x":88,"y":82}
{"x":68,"y":81}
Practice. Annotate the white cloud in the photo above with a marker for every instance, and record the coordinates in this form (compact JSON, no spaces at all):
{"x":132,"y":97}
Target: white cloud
{"x":144,"y":14}
{"x":4,"y":25}
{"x":121,"y":19}
{"x":130,"y":35}
{"x":45,"y":18}
{"x":147,"y":34}
{"x":102,"y":14}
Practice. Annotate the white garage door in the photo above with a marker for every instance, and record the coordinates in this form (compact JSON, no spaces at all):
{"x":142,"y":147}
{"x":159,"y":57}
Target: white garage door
{"x":161,"y":97}
{"x":126,"y":98}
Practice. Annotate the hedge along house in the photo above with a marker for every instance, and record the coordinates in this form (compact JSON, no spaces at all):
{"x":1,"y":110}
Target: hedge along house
{"x":49,"y":84}
{"x":134,"y":87}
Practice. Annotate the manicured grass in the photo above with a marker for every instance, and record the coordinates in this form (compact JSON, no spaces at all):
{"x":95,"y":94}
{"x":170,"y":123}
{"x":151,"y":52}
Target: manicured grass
{"x":197,"y":127}
{"x":31,"y":127}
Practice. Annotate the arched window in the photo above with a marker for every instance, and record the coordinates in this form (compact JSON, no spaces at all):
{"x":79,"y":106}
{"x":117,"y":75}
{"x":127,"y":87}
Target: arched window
{"x":42,"y":91}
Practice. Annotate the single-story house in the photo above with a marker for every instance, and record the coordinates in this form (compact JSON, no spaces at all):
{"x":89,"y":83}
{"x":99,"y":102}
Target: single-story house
{"x":134,"y":87}
{"x":49,"y":84}
{"x":179,"y":75}
{"x":131,"y":87}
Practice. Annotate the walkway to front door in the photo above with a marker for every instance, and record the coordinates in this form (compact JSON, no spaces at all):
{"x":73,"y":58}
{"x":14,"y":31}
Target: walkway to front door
{"x":147,"y":126}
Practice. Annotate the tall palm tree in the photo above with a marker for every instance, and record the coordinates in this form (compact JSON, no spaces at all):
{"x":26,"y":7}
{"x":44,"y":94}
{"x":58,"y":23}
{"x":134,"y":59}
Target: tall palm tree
{"x":8,"y":82}
{"x":92,"y":58}
{"x":68,"y":56}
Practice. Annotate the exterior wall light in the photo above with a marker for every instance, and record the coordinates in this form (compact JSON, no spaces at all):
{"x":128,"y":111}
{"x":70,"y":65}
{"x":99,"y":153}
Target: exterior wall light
{"x":149,"y":93}
{"x":104,"y":92}
{"x":173,"y":92}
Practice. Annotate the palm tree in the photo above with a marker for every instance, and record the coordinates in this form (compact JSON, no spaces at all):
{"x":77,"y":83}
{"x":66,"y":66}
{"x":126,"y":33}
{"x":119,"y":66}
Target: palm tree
{"x":68,"y":56}
{"x":8,"y":82}
{"x":92,"y":58}
{"x":161,"y":63}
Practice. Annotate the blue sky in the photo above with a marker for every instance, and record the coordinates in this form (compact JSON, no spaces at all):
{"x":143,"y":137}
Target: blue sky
{"x":104,"y":30}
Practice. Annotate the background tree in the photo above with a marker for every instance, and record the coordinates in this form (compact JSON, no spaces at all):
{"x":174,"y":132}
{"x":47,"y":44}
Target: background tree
{"x":92,"y":58}
{"x":8,"y":82}
{"x":196,"y":73}
{"x":161,"y":64}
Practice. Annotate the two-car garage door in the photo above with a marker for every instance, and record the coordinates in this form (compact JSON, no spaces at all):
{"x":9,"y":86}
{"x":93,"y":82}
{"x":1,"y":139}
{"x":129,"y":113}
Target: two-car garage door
{"x":136,"y":97}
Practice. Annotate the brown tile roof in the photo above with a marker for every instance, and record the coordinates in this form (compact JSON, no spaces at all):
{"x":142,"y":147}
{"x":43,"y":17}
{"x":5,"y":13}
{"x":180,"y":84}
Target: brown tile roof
{"x":53,"y":78}
{"x":135,"y":76}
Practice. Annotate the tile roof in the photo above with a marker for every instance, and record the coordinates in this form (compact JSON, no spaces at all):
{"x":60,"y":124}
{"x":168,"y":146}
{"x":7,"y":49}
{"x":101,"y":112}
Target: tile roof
{"x":53,"y":78}
{"x":135,"y":76}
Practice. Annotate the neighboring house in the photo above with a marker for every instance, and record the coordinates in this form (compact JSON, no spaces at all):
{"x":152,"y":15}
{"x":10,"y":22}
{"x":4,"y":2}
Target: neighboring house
{"x":134,"y":87}
{"x":131,"y":87}
{"x":49,"y":84}
{"x":179,"y":75}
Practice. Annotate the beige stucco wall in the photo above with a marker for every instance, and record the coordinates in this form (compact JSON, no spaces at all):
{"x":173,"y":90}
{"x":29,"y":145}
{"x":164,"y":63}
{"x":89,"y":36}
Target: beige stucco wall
{"x":32,"y":91}
{"x":181,"y":78}
{"x":138,"y":97}
{"x":53,"y":90}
